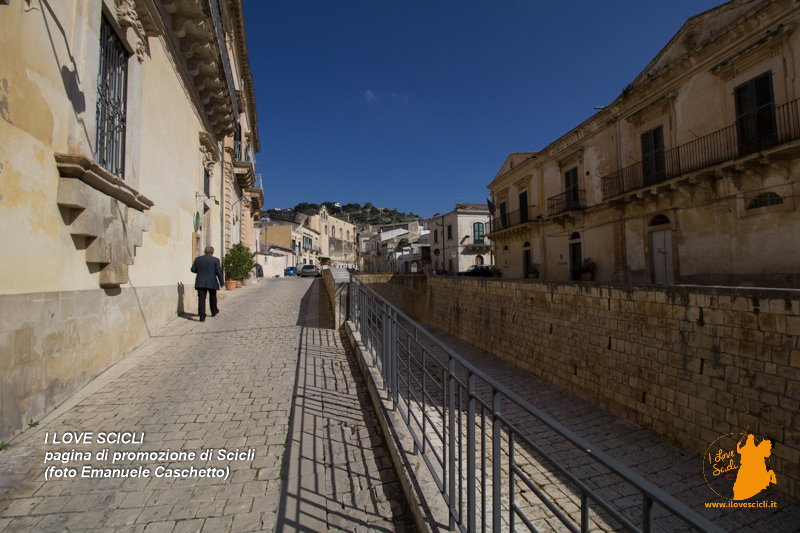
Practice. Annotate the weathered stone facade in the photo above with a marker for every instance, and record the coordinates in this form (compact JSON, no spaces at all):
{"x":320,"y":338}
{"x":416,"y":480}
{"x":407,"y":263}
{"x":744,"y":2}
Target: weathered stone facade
{"x":690,"y":364}
{"x":679,"y":179}
{"x":126,"y":147}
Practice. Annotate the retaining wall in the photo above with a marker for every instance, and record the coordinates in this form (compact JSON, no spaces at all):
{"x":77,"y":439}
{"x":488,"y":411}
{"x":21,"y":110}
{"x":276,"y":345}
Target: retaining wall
{"x":689,"y":363}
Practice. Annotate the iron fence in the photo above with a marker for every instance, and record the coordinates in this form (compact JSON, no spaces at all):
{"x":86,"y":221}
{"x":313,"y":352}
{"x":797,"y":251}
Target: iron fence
{"x":469,"y":431}
{"x":771,"y":127}
{"x":243,"y":152}
{"x":566,"y":201}
{"x":503,"y":221}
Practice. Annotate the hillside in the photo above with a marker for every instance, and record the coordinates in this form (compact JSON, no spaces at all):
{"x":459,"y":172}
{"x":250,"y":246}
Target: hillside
{"x":357,"y":213}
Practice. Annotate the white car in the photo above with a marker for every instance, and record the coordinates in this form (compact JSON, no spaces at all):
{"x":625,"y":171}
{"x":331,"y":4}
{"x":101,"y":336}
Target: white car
{"x":309,"y":270}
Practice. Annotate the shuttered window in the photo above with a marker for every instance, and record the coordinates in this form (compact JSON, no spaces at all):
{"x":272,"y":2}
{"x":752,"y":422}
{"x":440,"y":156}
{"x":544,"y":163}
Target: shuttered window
{"x":477,"y":232}
{"x":653,"y":155}
{"x":112,"y":84}
{"x":572,"y":196}
{"x":755,"y":115}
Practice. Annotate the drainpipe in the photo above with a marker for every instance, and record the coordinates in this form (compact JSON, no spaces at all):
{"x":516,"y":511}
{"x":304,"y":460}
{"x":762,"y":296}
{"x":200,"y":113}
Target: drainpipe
{"x":222,"y":207}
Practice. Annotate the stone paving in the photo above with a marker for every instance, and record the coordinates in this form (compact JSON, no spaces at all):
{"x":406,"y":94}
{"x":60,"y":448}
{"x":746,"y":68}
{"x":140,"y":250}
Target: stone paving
{"x":227,"y":383}
{"x":677,"y":472}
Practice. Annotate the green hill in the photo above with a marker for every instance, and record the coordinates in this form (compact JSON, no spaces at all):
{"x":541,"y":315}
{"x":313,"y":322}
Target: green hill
{"x":355,"y":213}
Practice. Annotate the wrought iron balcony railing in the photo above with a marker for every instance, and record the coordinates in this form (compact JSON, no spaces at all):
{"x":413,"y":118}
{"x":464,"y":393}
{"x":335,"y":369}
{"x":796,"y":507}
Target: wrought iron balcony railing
{"x":771,"y":127}
{"x":566,"y":201}
{"x":502,"y":221}
{"x":243,"y":152}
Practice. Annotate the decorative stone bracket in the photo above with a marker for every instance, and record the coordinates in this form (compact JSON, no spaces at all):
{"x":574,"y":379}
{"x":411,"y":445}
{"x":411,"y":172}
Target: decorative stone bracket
{"x":104,"y":215}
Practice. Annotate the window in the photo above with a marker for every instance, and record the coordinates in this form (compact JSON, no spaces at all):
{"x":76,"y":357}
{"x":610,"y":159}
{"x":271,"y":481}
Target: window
{"x":653,"y":164}
{"x":523,"y":206}
{"x":659,"y":220}
{"x":477,"y":232}
{"x":449,"y":232}
{"x":503,"y":217}
{"x":765,"y":200}
{"x":206,"y":182}
{"x":367,"y":247}
{"x":112,"y":83}
{"x":435,"y":235}
{"x":572,"y":194}
{"x":755,"y":114}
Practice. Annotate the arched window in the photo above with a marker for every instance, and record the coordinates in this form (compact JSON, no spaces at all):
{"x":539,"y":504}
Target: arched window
{"x":505,"y":248}
{"x":526,"y":245}
{"x":575,"y":236}
{"x":659,"y":220}
{"x":765,"y":200}
{"x":477,"y":233}
{"x":478,"y":259}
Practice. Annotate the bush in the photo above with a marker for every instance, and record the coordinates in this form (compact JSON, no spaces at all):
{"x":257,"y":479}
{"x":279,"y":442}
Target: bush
{"x":238,"y":263}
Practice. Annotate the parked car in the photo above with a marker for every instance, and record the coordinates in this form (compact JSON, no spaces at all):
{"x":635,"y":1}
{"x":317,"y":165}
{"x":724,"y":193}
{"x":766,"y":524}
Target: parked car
{"x":310,"y":270}
{"x":291,"y":271}
{"x":482,"y":271}
{"x":440,"y":272}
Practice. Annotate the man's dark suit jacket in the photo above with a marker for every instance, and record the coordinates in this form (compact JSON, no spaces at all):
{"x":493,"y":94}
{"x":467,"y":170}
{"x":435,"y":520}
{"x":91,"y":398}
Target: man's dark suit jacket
{"x":208,"y":272}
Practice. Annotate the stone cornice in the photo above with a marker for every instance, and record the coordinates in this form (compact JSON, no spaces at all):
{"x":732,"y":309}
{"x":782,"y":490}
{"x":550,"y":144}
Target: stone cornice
{"x":192,"y":35}
{"x":237,"y":16}
{"x":666,"y":80}
{"x":89,"y":172}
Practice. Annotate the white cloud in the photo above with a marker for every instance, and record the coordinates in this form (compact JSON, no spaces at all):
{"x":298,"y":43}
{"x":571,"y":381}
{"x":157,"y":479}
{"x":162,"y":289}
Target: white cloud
{"x":370,"y":96}
{"x":403,"y":98}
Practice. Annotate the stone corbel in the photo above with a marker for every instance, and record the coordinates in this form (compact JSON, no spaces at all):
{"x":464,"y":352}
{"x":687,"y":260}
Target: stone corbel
{"x":731,"y":179}
{"x":755,"y":176}
{"x":684,"y":190}
{"x":128,"y":16}
{"x":780,"y":169}
{"x":195,"y":47}
{"x":705,"y":183}
{"x":665,"y":195}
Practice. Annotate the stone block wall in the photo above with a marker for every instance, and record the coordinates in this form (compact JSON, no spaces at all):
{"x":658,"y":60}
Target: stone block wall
{"x":689,"y":363}
{"x":54,"y":343}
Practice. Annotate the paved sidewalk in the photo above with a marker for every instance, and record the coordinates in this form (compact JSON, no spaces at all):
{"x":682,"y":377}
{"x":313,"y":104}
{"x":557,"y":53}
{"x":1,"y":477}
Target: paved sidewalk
{"x":227,"y":384}
{"x":339,"y":475}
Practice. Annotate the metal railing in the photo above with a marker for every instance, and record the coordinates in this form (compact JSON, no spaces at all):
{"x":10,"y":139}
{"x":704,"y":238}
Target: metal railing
{"x":470,"y":434}
{"x":258,"y":184}
{"x":508,"y":220}
{"x":566,"y":201}
{"x":243,"y":152}
{"x":771,"y":127}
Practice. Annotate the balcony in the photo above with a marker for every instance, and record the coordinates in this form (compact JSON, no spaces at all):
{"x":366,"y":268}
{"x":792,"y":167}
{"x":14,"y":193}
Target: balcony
{"x":520,"y":219}
{"x":768,"y":129}
{"x":244,"y":164}
{"x":571,"y":200}
{"x":243,"y":152}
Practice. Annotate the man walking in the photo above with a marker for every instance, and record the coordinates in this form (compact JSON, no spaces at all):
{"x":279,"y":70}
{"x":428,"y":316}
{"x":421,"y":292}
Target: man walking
{"x":208,"y":271}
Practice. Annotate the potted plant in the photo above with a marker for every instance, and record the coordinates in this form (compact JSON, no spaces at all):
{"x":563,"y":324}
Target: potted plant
{"x":532,"y":271}
{"x":237,"y":265}
{"x":587,"y":270}
{"x":324,"y":261}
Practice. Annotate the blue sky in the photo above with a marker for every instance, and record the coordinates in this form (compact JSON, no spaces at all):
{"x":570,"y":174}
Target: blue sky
{"x":416,"y":104}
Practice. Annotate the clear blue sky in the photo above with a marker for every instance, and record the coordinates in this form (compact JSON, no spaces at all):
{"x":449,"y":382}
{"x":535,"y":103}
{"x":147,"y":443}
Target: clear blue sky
{"x":415,"y":104}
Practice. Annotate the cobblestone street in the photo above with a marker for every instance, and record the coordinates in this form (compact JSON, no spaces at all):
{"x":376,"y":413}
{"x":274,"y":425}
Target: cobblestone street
{"x":226,"y":384}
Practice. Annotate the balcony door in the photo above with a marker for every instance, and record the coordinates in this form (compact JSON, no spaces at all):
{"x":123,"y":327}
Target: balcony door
{"x":523,"y":207}
{"x":572,"y":197}
{"x":755,"y":114}
{"x":653,"y":167}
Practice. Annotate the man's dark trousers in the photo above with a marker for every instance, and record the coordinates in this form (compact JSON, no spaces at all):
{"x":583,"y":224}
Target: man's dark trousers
{"x":201,"y":302}
{"x":208,"y":280}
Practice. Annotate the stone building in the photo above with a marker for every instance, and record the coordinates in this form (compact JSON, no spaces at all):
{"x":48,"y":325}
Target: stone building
{"x":128,"y":131}
{"x":689,"y":176}
{"x":337,"y":237}
{"x":458,"y":238}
